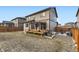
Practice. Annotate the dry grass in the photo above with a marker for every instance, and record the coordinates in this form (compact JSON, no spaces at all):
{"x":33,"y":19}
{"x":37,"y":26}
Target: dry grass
{"x":19,"y":42}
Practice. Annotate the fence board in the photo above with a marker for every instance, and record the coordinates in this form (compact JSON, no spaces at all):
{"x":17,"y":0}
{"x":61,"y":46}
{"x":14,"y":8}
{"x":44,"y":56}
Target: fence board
{"x":9,"y":29}
{"x":75,"y":34}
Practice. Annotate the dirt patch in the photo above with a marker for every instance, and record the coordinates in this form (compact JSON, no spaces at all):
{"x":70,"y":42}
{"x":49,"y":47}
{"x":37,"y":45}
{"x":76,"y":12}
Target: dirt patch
{"x":20,"y":42}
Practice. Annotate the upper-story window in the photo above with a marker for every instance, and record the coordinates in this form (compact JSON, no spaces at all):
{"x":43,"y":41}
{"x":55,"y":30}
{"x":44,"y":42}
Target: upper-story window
{"x":33,"y":17}
{"x":29,"y":17}
{"x":43,"y":14}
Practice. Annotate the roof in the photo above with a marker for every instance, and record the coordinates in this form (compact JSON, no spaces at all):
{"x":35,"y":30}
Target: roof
{"x":43,"y":11}
{"x":18,"y":18}
{"x":6,"y":22}
{"x":70,"y":23}
{"x":77,"y":12}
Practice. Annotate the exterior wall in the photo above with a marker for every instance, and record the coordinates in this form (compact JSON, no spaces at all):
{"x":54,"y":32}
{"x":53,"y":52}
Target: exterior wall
{"x":53,"y":20}
{"x":52,"y":25}
{"x":78,"y":17}
{"x":53,"y":15}
{"x":47,"y":24}
{"x":77,"y":20}
{"x":15,"y":22}
{"x":40,"y":16}
{"x":19,"y":23}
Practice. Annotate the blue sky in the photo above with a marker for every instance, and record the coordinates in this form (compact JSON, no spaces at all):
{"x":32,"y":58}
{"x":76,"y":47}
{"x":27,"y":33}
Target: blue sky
{"x":65,"y":13}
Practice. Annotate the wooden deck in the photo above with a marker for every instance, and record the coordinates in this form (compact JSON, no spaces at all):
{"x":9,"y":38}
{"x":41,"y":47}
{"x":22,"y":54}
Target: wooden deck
{"x":37,"y":31}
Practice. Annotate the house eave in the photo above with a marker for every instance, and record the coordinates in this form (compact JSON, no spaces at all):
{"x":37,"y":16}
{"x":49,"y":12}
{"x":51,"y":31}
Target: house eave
{"x":43,"y":11}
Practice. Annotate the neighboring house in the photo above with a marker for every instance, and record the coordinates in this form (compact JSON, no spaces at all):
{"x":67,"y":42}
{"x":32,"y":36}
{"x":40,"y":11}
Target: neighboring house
{"x":77,"y":15}
{"x":19,"y":22}
{"x":66,"y":28}
{"x":59,"y":25}
{"x":1,"y":24}
{"x":41,"y":21}
{"x":70,"y":24}
{"x":7,"y":24}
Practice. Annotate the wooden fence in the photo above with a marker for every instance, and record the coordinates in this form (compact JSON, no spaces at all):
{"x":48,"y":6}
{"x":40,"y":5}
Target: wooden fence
{"x":9,"y":29}
{"x":61,"y":29}
{"x":75,"y":35}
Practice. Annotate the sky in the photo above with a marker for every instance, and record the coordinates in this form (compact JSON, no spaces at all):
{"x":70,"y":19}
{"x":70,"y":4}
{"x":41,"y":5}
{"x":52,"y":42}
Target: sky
{"x":65,"y":13}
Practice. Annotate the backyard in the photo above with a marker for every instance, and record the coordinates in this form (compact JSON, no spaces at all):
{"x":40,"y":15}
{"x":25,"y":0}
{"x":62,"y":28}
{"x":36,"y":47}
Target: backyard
{"x":20,"y":42}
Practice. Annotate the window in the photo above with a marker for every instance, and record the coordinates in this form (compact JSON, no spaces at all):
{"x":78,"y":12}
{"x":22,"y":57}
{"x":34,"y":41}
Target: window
{"x":33,"y":17}
{"x":43,"y":14}
{"x":29,"y":17}
{"x":26,"y":24}
{"x":43,"y":26}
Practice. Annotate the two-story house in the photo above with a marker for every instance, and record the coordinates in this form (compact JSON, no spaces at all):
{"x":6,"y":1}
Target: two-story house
{"x":18,"y":22}
{"x":70,"y":24}
{"x":42,"y":21}
{"x":7,"y":24}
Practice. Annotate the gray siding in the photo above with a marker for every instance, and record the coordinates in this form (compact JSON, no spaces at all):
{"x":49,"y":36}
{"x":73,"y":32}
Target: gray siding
{"x":52,"y":25}
{"x":53,"y":15}
{"x":53,"y":20}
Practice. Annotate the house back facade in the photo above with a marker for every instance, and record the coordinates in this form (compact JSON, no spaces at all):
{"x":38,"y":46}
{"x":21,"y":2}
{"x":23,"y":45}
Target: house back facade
{"x":42,"y":21}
